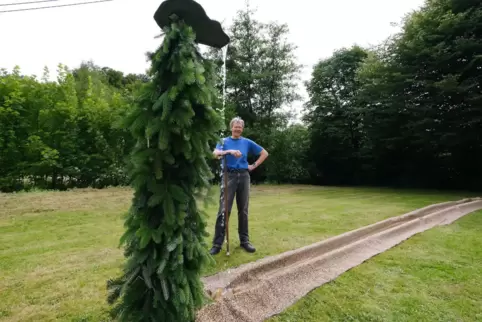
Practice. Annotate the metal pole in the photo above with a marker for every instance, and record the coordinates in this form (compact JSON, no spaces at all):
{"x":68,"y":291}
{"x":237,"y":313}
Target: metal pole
{"x":226,"y":215}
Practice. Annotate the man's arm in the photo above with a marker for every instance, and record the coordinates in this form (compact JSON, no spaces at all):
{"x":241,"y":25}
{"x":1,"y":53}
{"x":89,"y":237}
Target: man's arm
{"x":262,"y":156}
{"x":218,"y":153}
{"x":258,"y":150}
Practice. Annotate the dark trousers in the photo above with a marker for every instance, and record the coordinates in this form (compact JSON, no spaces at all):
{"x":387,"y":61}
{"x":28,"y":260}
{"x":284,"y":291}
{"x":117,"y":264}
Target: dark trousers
{"x":238,"y":185}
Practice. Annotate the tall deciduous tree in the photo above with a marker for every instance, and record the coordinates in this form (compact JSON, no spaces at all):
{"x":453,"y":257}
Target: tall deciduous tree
{"x":262,"y":70}
{"x":441,"y":47}
{"x":417,"y":105}
{"x":245,"y":54}
{"x":60,"y":134}
{"x":262,"y":75}
{"x":334,"y":116}
{"x":385,"y":119}
{"x":278,"y":82}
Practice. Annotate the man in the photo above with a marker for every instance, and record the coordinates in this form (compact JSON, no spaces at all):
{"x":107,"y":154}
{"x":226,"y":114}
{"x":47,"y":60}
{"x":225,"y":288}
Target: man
{"x":236,"y":149}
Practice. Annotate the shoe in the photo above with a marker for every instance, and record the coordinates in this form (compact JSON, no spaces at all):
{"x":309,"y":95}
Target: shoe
{"x":214,"y":250}
{"x":248,"y":247}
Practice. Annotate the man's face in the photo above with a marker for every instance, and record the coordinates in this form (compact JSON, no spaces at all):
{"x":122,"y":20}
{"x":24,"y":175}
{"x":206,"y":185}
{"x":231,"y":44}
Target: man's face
{"x":237,"y":129}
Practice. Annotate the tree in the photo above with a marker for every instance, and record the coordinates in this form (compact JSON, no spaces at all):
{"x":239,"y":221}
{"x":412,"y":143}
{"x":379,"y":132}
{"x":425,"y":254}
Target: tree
{"x":440,"y":47}
{"x":421,"y":99}
{"x":58,"y":121}
{"x":262,"y":71}
{"x":262,"y":74}
{"x":173,"y":123}
{"x":289,"y":149}
{"x":383,"y":87}
{"x":334,"y":118}
{"x":14,"y":128}
{"x":278,"y":82}
{"x":245,"y":53}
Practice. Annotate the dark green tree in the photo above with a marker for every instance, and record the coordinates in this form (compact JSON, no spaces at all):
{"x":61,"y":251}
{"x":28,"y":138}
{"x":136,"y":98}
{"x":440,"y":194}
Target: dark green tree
{"x":386,"y":121}
{"x":261,"y":84}
{"x":440,"y":48}
{"x":174,"y":123}
{"x":334,"y":116}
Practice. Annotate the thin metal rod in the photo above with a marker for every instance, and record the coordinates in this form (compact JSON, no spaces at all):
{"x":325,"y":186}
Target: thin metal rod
{"x":226,"y":215}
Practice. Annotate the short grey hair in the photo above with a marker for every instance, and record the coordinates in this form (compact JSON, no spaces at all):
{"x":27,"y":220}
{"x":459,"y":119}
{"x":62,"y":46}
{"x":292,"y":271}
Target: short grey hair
{"x":237,"y":119}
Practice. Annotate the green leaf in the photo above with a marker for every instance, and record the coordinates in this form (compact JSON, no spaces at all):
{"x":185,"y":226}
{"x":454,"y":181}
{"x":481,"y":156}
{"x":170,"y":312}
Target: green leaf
{"x":190,"y":251}
{"x":168,"y":205}
{"x":171,"y":246}
{"x":159,"y":102}
{"x":157,"y":236}
{"x":165,"y":290}
{"x":142,"y":256}
{"x":158,"y":172}
{"x":133,"y":275}
{"x":178,"y":193}
{"x":167,"y":103}
{"x":146,"y":276}
{"x":145,"y":239}
{"x":160,"y":268}
{"x":173,"y":92}
{"x":169,"y":158}
{"x":129,"y":234}
{"x":157,"y":299}
{"x":200,"y":68}
{"x":201,"y":79}
{"x":155,"y":200}
{"x":163,"y":142}
{"x":190,"y":65}
{"x":182,"y":297}
{"x":190,"y":78}
{"x":184,"y":282}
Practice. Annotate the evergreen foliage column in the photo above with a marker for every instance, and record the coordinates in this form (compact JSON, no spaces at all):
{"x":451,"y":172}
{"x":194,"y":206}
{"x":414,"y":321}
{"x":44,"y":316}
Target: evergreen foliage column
{"x":175,"y":123}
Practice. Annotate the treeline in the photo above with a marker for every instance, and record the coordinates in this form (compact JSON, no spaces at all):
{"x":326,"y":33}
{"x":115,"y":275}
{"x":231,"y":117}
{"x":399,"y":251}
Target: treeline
{"x":261,"y":85}
{"x":63,"y":134}
{"x":407,"y":112}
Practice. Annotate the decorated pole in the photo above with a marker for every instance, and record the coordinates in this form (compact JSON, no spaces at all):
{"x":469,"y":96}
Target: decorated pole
{"x":175,"y":122}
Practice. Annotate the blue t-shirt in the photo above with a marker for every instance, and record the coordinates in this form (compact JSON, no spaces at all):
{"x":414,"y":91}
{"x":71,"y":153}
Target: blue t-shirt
{"x":246,"y":146}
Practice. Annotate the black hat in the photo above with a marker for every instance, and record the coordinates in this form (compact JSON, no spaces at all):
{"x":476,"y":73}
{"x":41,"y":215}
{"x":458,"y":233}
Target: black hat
{"x":208,"y":32}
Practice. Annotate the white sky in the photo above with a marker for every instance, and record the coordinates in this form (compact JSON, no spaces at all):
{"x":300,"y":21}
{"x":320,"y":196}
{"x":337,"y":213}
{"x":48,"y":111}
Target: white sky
{"x":118,"y":33}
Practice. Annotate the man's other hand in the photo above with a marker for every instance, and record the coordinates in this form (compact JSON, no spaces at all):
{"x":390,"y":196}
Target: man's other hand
{"x":236,"y":153}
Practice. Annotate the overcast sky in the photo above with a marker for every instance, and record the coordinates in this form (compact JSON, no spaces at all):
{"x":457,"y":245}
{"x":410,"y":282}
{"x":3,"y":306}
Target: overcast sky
{"x":118,"y":33}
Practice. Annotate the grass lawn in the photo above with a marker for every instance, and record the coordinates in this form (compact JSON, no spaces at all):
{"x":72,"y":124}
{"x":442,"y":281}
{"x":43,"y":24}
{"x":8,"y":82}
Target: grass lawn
{"x":57,"y":249}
